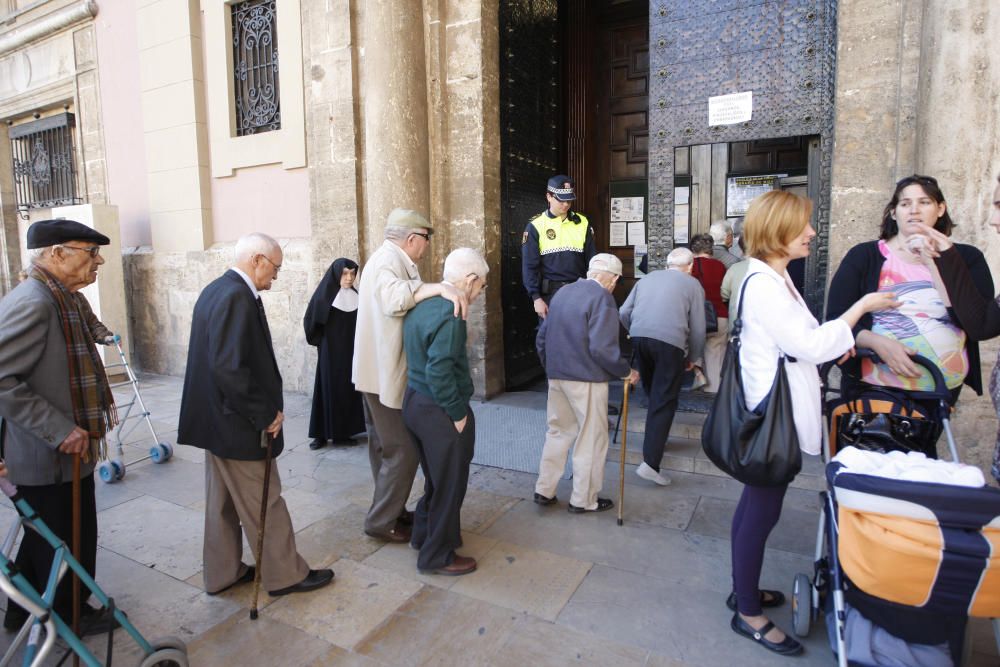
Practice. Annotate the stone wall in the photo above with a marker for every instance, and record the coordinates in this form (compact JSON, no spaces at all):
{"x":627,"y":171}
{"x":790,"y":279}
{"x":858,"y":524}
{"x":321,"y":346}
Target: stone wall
{"x":415,"y":126}
{"x":918,"y":90}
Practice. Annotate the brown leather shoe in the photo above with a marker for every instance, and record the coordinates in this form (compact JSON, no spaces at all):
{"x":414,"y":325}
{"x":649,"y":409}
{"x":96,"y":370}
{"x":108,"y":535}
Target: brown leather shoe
{"x":461,"y":565}
{"x":398,"y":534}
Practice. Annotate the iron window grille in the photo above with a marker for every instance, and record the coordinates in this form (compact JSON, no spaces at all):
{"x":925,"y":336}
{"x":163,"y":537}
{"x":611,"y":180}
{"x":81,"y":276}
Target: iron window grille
{"x":44,"y":169}
{"x":255,"y":67}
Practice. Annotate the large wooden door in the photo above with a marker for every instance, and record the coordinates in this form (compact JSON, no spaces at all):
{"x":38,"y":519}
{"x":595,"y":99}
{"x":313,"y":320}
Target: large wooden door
{"x":616,"y":82}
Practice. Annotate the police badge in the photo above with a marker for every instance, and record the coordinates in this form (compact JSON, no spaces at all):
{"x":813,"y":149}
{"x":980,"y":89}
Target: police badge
{"x":550,"y":234}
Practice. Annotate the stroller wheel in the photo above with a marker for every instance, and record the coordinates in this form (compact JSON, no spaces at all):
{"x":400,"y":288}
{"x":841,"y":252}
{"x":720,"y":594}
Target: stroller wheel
{"x":161,"y":452}
{"x":106,"y":471}
{"x":165,"y":657}
{"x":802,"y":605}
{"x":170,"y":642}
{"x":119,"y":467}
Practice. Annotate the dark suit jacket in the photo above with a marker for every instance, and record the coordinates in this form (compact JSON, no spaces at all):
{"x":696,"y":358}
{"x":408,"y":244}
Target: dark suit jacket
{"x":232,"y":387}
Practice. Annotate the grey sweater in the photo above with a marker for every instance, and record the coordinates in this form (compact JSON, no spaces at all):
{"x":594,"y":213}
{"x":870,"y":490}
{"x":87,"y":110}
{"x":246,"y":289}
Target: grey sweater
{"x":578,"y":340}
{"x":668,"y":305}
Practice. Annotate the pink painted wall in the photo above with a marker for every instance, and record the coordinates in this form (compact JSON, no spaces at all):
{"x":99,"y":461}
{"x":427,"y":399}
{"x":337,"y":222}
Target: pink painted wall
{"x":121,"y":106}
{"x":268,"y":199}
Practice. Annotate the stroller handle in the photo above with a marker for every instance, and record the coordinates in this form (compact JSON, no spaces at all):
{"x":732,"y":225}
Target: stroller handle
{"x":940,"y":391}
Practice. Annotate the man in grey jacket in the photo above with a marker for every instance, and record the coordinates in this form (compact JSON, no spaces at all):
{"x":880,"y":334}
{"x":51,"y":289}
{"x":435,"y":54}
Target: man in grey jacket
{"x":578,"y":346}
{"x":55,"y":402}
{"x":665,"y":316}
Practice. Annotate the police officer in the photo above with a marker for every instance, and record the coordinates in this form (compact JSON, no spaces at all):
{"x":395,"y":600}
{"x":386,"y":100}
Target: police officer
{"x":556,"y":246}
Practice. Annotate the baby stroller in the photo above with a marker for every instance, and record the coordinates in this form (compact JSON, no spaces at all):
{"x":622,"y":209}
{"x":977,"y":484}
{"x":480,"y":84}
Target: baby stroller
{"x":44,"y":625}
{"x":914,"y":558}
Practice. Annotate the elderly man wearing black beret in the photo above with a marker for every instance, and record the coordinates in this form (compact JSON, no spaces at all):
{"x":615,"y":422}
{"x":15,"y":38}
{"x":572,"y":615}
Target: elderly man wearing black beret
{"x":55,"y":402}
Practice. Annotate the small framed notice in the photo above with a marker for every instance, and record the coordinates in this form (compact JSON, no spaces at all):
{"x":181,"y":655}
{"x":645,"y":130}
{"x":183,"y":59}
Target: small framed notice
{"x":627,"y":209}
{"x":619,"y":231}
{"x":730,"y":109}
{"x":637,"y":233}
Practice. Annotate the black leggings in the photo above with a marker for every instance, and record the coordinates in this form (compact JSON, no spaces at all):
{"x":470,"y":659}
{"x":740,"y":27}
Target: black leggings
{"x":756,"y":515}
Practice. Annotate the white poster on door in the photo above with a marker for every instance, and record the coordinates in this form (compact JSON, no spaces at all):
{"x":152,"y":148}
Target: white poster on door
{"x":730,"y":109}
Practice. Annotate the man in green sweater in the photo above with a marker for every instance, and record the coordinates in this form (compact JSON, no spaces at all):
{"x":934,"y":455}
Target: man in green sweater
{"x":436,"y":412}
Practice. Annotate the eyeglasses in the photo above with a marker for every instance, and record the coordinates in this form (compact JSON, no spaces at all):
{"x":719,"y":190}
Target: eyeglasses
{"x":93,"y":250}
{"x":277,"y":267}
{"x":426,"y":237}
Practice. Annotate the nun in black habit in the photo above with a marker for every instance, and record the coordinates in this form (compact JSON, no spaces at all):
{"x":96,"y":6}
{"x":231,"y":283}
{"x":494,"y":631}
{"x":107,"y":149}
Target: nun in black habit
{"x":330,"y":319}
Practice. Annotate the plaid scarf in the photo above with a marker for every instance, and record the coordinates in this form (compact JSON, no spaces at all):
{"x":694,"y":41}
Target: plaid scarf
{"x":93,"y":405}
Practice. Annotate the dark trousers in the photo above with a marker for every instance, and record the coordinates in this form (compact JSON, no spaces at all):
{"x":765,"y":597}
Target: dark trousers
{"x":445,"y":455}
{"x":756,"y":515}
{"x":54,"y":505}
{"x":661,"y":369}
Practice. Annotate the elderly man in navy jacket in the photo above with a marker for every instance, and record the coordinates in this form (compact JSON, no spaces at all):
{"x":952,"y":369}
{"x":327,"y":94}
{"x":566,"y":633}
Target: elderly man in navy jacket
{"x":578,"y":346}
{"x":231,"y":403}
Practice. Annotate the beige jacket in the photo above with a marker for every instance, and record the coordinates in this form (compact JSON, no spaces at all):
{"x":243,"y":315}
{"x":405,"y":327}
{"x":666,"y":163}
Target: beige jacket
{"x":385,"y":295}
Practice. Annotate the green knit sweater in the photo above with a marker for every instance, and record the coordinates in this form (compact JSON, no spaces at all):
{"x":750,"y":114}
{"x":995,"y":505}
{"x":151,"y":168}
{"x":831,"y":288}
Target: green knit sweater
{"x":437,"y":365}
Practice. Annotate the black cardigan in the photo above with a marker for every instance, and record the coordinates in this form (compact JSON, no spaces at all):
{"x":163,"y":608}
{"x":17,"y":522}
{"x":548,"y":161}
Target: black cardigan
{"x":859,"y":272}
{"x":979,"y":314}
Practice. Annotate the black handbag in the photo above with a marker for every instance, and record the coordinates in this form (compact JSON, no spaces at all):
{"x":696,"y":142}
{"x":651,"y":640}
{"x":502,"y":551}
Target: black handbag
{"x":758,"y":447}
{"x":711,"y":317}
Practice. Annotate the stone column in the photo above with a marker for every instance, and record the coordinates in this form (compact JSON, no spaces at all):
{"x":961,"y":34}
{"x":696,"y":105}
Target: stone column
{"x":878,"y":67}
{"x":171,"y":76}
{"x":394,"y":85}
{"x":10,"y":247}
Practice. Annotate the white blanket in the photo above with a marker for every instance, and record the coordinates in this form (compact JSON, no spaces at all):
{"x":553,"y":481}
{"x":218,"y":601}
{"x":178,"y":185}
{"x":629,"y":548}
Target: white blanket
{"x":911,"y":466}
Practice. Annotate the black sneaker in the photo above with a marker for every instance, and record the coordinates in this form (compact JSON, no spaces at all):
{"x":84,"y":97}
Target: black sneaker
{"x":603,"y":504}
{"x":542,"y":500}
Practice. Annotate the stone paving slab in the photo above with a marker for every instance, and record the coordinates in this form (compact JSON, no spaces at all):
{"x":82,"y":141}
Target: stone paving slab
{"x":672,"y":618}
{"x":524,"y":579}
{"x":402,"y":560}
{"x":156,"y":533}
{"x":359,"y":599}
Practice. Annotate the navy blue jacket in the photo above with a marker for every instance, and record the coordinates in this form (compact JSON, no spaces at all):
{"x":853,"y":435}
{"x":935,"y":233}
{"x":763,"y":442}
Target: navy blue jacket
{"x":578,"y":340}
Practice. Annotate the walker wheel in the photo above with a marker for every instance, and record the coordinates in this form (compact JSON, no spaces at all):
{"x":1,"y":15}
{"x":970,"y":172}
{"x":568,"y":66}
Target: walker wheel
{"x":165,"y":657}
{"x":106,"y":471}
{"x":119,"y":467}
{"x":802,"y":605}
{"x":161,"y":452}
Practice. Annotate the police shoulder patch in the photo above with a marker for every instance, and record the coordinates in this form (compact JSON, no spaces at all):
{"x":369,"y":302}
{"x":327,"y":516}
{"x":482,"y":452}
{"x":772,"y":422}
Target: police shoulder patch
{"x":524,"y":237}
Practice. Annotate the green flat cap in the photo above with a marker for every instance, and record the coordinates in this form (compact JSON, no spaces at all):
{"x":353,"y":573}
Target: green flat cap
{"x":404,"y":217}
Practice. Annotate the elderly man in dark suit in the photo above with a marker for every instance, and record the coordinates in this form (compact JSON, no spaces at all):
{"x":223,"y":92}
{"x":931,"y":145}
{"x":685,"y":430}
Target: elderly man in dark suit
{"x":55,"y":402}
{"x":231,"y":403}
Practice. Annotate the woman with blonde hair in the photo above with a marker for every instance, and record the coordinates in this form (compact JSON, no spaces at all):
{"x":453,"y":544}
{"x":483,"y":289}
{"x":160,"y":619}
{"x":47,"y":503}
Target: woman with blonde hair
{"x":776,"y":322}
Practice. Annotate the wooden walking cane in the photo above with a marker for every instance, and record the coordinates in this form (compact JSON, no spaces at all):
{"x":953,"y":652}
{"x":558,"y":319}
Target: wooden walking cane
{"x":260,"y":528}
{"x":621,"y":466}
{"x":76,"y":551}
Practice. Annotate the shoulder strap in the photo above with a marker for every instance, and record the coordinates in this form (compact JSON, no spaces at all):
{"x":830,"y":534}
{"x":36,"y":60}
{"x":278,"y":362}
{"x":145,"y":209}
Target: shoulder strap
{"x":736,"y":325}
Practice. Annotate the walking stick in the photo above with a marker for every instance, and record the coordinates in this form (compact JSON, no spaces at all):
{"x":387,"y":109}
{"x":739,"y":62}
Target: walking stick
{"x":621,"y":466}
{"x":76,"y":551}
{"x":260,"y":528}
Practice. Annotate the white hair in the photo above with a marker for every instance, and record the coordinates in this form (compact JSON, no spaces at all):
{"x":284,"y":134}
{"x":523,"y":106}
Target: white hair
{"x":680,"y":257}
{"x":719,"y":231}
{"x":397,"y":232}
{"x":35,"y":254}
{"x":254,"y":243}
{"x":461,"y":262}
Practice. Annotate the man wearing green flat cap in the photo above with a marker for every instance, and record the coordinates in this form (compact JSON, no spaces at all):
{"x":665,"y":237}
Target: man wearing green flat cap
{"x":388,"y":288}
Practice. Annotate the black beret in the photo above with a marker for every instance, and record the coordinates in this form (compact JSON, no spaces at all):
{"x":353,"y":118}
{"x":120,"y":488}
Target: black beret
{"x":45,"y":233}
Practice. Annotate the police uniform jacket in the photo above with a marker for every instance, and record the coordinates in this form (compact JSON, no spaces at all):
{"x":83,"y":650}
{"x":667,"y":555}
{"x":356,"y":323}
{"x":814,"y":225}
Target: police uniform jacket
{"x":556,"y":249}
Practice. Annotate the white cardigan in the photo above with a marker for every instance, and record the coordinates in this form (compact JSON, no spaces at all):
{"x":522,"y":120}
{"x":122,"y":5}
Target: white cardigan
{"x":776,"y":319}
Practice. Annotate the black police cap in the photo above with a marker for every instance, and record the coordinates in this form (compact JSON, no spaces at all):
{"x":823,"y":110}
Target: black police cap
{"x":561,"y":187}
{"x":45,"y":233}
